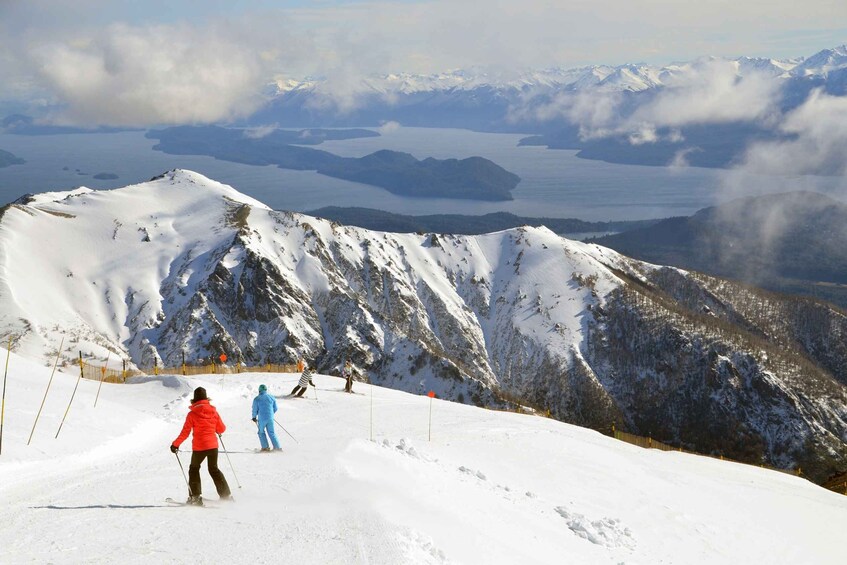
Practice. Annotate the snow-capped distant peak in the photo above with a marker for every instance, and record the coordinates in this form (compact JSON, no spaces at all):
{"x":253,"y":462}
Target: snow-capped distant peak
{"x":823,"y":62}
{"x":625,"y":77}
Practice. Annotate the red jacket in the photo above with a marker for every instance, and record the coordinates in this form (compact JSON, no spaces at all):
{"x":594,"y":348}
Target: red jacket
{"x":205,"y":423}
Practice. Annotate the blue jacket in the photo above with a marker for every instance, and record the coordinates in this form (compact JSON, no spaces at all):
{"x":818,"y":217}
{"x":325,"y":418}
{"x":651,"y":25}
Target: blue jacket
{"x":264,"y":406}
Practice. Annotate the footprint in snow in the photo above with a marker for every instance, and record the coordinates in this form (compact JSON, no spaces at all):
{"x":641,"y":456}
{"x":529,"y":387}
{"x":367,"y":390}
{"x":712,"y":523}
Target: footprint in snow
{"x":405,"y":446}
{"x":478,"y":474}
{"x":608,"y":532}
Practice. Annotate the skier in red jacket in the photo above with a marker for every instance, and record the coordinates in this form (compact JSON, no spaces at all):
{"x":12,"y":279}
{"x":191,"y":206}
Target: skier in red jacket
{"x":204,"y":423}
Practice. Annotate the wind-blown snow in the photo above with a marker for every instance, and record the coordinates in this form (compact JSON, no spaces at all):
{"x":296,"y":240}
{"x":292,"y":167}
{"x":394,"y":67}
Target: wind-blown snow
{"x":490,"y":487}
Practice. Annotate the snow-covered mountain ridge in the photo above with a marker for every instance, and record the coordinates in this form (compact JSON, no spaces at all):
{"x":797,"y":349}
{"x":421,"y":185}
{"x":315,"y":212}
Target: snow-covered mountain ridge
{"x":182,"y":264}
{"x":630,"y":76}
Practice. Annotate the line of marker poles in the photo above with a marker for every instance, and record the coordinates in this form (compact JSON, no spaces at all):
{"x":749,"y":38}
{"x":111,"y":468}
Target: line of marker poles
{"x":68,"y":409}
{"x":431,"y":397}
{"x":43,"y":400}
{"x":3,"y":401}
{"x":102,"y":376}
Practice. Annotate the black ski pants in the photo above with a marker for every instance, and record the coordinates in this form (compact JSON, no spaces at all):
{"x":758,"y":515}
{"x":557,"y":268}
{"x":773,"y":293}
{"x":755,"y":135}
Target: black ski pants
{"x":298,"y":390}
{"x":211,"y":456}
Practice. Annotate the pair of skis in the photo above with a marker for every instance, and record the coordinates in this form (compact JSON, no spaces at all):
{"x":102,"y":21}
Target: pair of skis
{"x":175,"y":502}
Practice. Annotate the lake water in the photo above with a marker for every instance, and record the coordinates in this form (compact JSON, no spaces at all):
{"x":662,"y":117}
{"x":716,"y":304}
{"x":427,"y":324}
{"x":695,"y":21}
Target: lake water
{"x":554,"y":183}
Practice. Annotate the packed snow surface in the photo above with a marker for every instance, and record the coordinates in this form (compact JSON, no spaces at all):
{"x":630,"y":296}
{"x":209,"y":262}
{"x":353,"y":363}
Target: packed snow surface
{"x":364,"y":484}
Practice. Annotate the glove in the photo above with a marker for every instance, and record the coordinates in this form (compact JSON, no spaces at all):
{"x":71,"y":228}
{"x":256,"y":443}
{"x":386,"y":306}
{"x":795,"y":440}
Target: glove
{"x":254,"y":419}
{"x":174,"y":448}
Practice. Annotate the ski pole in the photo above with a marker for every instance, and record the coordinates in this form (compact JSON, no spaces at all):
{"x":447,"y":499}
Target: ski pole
{"x":3,"y":402}
{"x":43,"y":400}
{"x":316,"y":391}
{"x":62,"y":423}
{"x":230,"y":460}
{"x":286,"y":431}
{"x":183,"y":473}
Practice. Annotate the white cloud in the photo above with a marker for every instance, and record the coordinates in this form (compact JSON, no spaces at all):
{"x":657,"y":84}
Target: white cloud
{"x":597,"y":112}
{"x":680,"y":158}
{"x":711,"y":92}
{"x":162,"y":74}
{"x":260,"y":132}
{"x":708,"y":92}
{"x":152,"y":69}
{"x":818,"y":142}
{"x":389,"y":127}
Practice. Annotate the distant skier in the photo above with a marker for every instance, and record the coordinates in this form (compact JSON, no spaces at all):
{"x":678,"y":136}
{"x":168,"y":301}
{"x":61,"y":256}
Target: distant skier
{"x":264,"y":408}
{"x":305,"y":379}
{"x":204,"y":423}
{"x":300,"y":364}
{"x":347,"y":373}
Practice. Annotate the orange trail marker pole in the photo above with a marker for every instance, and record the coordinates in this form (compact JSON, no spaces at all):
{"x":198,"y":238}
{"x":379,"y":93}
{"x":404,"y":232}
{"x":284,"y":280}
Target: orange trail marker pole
{"x":431,"y":395}
{"x":102,"y":375}
{"x":68,"y":409}
{"x":3,"y":402}
{"x":43,"y":400}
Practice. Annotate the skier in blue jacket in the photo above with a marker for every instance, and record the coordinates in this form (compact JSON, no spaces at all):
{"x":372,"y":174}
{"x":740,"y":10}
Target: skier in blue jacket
{"x":264,"y":408}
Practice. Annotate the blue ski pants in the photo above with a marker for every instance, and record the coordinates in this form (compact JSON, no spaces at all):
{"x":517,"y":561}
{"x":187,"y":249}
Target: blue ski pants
{"x":267,"y":426}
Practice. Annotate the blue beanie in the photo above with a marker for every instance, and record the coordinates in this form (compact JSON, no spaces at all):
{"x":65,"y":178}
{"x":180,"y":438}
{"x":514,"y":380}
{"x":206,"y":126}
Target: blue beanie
{"x":263,"y":388}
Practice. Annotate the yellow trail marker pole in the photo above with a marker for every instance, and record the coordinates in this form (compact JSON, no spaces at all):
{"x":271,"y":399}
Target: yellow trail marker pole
{"x":3,"y":402}
{"x":68,"y":409}
{"x":431,"y":395}
{"x":43,"y":400}
{"x":102,"y":375}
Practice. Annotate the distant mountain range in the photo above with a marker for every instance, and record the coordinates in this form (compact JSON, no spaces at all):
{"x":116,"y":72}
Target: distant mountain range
{"x":629,"y":77}
{"x":603,"y":112}
{"x":380,"y":220}
{"x":556,"y":105}
{"x":794,"y":242}
{"x":439,"y":100}
{"x":182,"y":265}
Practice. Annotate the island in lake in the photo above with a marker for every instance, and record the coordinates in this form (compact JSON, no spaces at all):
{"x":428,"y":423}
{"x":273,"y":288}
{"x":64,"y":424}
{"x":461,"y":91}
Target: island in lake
{"x":473,"y":178}
{"x":7,"y":159}
{"x":105,"y":176}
